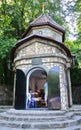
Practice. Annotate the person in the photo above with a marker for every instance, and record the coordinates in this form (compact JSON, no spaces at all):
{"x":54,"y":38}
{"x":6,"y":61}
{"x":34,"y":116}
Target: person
{"x":41,"y":94}
{"x":46,"y":92}
{"x":31,"y":101}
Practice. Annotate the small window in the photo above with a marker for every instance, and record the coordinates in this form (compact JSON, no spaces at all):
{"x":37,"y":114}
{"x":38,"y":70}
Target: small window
{"x":40,"y":32}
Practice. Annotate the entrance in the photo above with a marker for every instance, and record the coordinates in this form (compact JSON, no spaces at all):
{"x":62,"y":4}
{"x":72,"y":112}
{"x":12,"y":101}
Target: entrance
{"x":35,"y":89}
{"x":42,"y":87}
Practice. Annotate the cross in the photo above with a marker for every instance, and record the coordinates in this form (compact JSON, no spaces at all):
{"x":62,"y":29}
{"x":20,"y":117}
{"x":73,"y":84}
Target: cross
{"x":43,"y":7}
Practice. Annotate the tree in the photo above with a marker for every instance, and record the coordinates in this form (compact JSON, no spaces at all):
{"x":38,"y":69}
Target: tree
{"x":5,"y":48}
{"x":78,"y":12}
{"x":75,"y":49}
{"x":15,"y":17}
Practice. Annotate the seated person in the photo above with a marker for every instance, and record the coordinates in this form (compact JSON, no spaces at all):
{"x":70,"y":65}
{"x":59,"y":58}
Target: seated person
{"x":41,"y":94}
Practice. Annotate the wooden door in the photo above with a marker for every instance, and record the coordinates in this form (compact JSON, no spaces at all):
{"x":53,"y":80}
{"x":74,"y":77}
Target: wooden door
{"x":20,"y":90}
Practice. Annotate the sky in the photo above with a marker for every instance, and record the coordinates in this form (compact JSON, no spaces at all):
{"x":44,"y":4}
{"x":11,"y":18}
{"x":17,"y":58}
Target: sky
{"x":70,"y":18}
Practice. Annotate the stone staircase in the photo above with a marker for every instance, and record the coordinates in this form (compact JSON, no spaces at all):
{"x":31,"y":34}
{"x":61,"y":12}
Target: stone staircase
{"x":4,"y":108}
{"x":41,"y":119}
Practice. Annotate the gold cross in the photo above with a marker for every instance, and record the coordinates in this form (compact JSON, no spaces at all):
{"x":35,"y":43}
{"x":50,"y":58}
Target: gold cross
{"x":43,"y":7}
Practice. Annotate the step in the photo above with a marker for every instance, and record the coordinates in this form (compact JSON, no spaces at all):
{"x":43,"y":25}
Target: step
{"x":35,"y":112}
{"x":68,"y":128}
{"x":38,"y":117}
{"x":5,"y":108}
{"x":34,"y":118}
{"x":40,"y":124}
{"x":43,"y":119}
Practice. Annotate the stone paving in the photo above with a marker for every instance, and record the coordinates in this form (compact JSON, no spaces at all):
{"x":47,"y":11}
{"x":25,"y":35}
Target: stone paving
{"x":43,"y":119}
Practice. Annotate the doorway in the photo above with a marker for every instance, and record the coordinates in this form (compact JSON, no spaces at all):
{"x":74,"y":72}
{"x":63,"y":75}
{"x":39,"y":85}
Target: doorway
{"x":35,"y":88}
{"x":35,"y":81}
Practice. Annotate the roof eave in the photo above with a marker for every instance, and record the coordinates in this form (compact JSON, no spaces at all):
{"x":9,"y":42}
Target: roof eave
{"x":22,"y":41}
{"x":44,"y":24}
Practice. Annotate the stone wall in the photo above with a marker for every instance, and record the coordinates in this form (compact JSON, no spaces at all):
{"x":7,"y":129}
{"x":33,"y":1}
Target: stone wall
{"x":40,"y":52}
{"x":48,"y":52}
{"x":6,"y":96}
{"x":48,"y":32}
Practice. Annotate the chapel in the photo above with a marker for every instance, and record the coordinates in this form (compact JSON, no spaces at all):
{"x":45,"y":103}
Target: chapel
{"x":41,"y":57}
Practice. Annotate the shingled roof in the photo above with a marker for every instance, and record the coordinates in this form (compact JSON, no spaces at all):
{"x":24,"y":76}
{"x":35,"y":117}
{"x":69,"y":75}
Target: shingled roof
{"x":46,"y":19}
{"x":29,"y":38}
{"x":43,"y":20}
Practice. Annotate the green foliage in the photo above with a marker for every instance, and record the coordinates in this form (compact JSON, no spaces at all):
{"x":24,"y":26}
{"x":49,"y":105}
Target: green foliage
{"x":76,"y":71}
{"x":76,"y":76}
{"x":72,"y":44}
{"x":75,"y":49}
{"x":15,"y":16}
{"x":78,"y":13}
{"x":11,"y":20}
{"x":5,"y":47}
{"x":76,"y":85}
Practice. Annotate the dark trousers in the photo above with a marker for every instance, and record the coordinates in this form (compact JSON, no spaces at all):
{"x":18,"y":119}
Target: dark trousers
{"x":31,"y":104}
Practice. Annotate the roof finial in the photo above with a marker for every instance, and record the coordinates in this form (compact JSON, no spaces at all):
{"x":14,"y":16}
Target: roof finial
{"x":43,"y":7}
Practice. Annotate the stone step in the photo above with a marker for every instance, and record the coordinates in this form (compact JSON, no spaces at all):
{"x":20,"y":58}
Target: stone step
{"x":68,"y":128}
{"x":35,"y":112}
{"x":71,"y":128}
{"x":38,"y":112}
{"x":35,"y":117}
{"x":40,"y":125}
{"x":40,"y":120}
{"x":5,"y":108}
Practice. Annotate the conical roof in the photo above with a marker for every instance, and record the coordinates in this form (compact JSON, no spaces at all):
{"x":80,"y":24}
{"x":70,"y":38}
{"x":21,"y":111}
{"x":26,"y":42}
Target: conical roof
{"x":44,"y":19}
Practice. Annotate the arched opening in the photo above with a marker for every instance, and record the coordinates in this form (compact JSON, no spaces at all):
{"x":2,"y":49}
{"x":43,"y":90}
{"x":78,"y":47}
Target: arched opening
{"x":35,"y":88}
{"x":44,"y":87}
